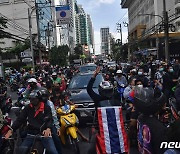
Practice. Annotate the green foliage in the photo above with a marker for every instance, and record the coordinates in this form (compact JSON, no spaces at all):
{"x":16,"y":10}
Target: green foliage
{"x":120,"y":51}
{"x":72,"y":57}
{"x":58,"y":55}
{"x":20,"y":47}
{"x":78,"y":50}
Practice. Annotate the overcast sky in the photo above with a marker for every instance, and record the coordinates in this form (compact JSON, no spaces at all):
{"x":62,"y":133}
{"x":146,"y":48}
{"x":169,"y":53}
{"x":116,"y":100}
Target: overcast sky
{"x":105,"y":13}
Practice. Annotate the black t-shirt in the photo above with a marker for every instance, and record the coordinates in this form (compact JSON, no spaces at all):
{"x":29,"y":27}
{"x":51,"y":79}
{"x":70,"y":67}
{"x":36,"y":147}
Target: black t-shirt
{"x":151,"y":132}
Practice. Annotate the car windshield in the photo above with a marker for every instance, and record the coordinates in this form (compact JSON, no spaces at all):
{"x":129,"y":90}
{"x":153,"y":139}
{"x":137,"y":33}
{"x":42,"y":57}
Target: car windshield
{"x":87,"y":68}
{"x":81,"y":81}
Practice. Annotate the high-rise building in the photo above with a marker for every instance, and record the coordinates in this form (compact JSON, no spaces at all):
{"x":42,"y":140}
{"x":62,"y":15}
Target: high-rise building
{"x":146,"y":22}
{"x":80,"y":30}
{"x":104,"y":33}
{"x":84,"y":28}
{"x":16,"y":13}
{"x":67,"y":33}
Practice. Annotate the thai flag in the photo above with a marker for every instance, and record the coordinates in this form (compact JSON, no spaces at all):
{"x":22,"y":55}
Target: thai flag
{"x":112,"y":138}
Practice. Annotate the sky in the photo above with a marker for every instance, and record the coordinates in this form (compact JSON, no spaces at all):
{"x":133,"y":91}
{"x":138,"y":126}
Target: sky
{"x":105,"y":13}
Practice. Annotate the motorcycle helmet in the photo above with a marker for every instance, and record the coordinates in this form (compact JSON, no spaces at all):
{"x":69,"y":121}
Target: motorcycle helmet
{"x":35,"y":97}
{"x":148,"y":101}
{"x":44,"y":95}
{"x":119,"y":72}
{"x":106,"y":89}
{"x":32,"y":82}
{"x":54,"y":75}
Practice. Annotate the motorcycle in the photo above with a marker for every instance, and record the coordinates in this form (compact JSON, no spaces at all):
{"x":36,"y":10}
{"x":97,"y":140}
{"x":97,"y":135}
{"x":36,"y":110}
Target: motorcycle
{"x":68,"y":122}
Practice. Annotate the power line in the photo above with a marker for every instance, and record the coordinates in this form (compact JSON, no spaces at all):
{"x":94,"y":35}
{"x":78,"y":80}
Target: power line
{"x":13,"y":36}
{"x":13,"y":23}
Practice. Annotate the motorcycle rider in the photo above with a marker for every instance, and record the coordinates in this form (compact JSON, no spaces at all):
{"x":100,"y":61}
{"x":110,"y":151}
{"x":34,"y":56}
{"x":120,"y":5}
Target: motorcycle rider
{"x":105,"y":98}
{"x":151,"y":132}
{"x":55,"y":79}
{"x":35,"y":114}
{"x":56,"y":126}
{"x":120,"y":79}
{"x":106,"y":91}
{"x":177,"y":94}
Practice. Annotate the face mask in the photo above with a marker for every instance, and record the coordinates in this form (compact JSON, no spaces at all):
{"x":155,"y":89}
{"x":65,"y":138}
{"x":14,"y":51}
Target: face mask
{"x":140,"y":73}
{"x":161,"y":69}
{"x":171,"y":70}
{"x":140,"y":86}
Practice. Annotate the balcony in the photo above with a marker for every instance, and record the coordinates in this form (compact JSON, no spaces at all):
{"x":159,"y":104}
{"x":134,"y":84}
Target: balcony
{"x":125,"y":3}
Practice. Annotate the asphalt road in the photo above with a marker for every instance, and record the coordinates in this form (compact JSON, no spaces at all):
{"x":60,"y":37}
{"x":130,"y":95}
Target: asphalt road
{"x":84,"y":146}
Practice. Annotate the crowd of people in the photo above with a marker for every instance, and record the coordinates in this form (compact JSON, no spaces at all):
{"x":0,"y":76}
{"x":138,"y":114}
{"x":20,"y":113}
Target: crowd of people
{"x":145,"y":88}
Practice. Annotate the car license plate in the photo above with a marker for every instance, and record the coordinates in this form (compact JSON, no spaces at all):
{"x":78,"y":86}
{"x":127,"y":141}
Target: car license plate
{"x":83,"y":114}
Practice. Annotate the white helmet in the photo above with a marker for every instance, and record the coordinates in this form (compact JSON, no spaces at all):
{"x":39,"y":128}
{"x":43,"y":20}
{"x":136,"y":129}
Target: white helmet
{"x":32,"y":80}
{"x":54,"y":74}
{"x":106,"y":89}
{"x":119,"y":72}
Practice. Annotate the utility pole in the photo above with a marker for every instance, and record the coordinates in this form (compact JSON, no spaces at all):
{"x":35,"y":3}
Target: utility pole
{"x":30,"y":35}
{"x":129,"y":47}
{"x":119,"y":30}
{"x":39,"y":37}
{"x":48,"y":36}
{"x":166,"y":31}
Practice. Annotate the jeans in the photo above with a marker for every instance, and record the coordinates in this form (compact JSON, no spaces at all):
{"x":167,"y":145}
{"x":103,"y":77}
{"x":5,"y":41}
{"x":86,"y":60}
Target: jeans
{"x":48,"y":144}
{"x":56,"y":140}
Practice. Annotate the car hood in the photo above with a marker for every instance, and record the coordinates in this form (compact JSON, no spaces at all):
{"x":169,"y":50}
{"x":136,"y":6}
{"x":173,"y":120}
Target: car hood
{"x":80,"y":95}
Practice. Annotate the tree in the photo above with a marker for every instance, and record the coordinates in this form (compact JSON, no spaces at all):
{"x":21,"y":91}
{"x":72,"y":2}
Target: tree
{"x":120,"y":52}
{"x":59,"y":55}
{"x":20,"y":47}
{"x":78,"y":50}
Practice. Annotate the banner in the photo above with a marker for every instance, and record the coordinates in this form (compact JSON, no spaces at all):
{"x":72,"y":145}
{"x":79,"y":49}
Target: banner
{"x":63,"y":15}
{"x":112,"y":137}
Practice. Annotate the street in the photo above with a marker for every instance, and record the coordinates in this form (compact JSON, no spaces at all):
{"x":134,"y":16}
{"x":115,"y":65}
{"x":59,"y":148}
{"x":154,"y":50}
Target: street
{"x":65,"y":149}
{"x":84,"y":146}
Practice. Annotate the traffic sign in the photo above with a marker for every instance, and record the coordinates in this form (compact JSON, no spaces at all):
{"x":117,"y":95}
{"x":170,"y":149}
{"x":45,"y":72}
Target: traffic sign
{"x":63,"y":15}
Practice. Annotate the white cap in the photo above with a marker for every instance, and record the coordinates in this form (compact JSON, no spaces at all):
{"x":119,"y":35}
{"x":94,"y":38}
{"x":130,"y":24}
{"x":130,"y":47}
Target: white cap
{"x":54,"y":73}
{"x":32,"y":80}
{"x":133,"y":70}
{"x":119,"y":72}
